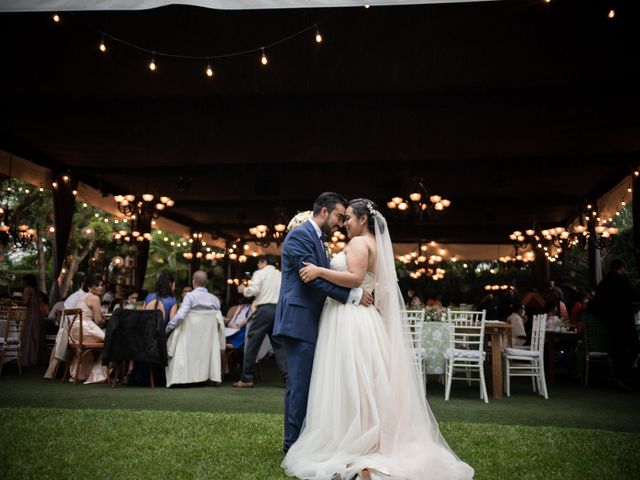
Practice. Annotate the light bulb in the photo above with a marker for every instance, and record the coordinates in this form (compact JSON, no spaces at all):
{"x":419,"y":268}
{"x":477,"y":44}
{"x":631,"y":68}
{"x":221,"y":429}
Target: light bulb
{"x":102,"y":47}
{"x":264,"y":59}
{"x":152,"y":64}
{"x":318,"y":36}
{"x":612,"y":13}
{"x":209,"y":71}
{"x":56,"y":18}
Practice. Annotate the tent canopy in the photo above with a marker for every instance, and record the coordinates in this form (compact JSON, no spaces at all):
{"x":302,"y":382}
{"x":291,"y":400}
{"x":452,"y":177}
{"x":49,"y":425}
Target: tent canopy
{"x":517,"y":111}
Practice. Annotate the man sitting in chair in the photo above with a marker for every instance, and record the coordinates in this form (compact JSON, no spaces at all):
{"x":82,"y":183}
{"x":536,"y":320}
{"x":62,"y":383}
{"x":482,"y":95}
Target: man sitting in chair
{"x":198,"y":299}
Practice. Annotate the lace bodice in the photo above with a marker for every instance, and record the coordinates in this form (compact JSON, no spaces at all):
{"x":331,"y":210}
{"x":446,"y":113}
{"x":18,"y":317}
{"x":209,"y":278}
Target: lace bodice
{"x":339,"y":263}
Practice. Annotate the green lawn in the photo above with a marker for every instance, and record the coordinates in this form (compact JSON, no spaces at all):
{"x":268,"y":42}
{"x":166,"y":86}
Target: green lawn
{"x":55,"y":430}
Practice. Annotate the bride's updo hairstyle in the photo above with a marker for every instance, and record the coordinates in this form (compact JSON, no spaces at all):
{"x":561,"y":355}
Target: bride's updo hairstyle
{"x":364,"y":206}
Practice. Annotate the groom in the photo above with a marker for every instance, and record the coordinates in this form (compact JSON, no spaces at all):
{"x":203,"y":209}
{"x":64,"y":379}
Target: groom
{"x":300,"y":304}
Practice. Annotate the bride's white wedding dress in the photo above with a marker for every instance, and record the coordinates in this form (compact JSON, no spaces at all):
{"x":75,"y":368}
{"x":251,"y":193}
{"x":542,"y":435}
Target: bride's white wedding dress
{"x":364,"y":409}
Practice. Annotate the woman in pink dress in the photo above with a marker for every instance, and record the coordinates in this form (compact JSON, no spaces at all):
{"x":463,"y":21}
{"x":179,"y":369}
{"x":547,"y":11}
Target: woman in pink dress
{"x":91,"y":369}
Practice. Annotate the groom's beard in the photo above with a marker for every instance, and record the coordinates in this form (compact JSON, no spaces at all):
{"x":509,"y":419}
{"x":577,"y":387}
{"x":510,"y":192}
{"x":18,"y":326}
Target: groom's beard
{"x":326,"y":229}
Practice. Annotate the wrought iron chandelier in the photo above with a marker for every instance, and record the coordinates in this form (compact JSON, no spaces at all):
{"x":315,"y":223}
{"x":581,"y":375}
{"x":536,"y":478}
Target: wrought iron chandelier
{"x":420,"y":201}
{"x":275,"y":233}
{"x":145,"y":205}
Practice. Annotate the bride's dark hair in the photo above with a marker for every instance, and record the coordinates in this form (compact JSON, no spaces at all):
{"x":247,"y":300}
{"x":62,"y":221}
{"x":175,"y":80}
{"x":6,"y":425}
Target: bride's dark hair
{"x":364,"y":206}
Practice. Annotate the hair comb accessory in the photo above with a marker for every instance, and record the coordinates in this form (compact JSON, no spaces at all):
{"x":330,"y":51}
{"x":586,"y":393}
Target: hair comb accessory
{"x":372,"y":211}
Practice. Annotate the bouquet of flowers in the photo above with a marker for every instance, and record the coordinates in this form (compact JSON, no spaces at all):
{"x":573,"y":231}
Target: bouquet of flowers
{"x":299,"y":219}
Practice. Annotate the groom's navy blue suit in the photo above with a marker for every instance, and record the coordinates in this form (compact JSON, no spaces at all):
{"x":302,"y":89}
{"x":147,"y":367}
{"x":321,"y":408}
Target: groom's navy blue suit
{"x":297,"y":316}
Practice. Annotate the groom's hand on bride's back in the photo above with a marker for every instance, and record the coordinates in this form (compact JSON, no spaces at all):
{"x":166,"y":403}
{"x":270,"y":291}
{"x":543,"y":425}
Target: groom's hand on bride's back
{"x":367,"y":299}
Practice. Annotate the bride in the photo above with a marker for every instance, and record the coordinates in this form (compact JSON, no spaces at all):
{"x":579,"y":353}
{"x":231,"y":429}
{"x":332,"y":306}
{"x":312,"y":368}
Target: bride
{"x":367,"y":414}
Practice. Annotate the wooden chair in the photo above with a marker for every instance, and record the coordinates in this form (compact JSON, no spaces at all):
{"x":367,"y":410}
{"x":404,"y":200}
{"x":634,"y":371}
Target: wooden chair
{"x":12,"y":336}
{"x":79,"y":347}
{"x":466,"y":351}
{"x":520,"y":362}
{"x":596,"y":345}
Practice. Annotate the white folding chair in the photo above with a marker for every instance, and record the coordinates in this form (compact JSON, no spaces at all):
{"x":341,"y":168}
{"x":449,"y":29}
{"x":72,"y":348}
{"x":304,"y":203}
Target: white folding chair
{"x":519,"y":362}
{"x":415,"y":320}
{"x":466,"y":349}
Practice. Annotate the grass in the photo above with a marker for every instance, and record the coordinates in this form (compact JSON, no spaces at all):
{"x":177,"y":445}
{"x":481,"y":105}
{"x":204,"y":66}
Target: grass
{"x":64,"y":443}
{"x":55,"y":430}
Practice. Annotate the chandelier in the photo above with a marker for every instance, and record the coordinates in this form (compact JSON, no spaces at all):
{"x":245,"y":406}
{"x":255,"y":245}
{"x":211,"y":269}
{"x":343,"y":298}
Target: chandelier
{"x":121,"y":235}
{"x":420,"y":201}
{"x":425,"y":261}
{"x":22,"y":235}
{"x":143,"y":206}
{"x":265,"y":234}
{"x":553,"y":241}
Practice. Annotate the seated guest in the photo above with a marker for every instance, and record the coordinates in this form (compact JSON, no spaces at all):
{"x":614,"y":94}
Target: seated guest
{"x":198,"y":299}
{"x":53,"y":313}
{"x":162,"y":298}
{"x":415,"y":303}
{"x":90,"y":369}
{"x":72,"y":300}
{"x":577,"y":309}
{"x":109,"y":295}
{"x":236,"y":321}
{"x":517,"y":320}
{"x":435,"y":301}
{"x":131,"y":297}
{"x":185,"y":290}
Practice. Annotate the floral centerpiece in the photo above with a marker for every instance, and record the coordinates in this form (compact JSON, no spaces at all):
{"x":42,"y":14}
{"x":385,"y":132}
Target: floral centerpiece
{"x":434,"y":314}
{"x":299,"y":219}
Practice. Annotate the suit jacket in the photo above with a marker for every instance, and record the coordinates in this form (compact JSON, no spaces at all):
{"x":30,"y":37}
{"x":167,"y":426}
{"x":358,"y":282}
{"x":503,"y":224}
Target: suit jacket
{"x":299,"y":303}
{"x":135,"y":335}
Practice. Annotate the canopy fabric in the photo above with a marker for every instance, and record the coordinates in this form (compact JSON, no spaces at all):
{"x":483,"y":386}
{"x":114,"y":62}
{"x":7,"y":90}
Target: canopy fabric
{"x":66,"y":5}
{"x":513,"y":127}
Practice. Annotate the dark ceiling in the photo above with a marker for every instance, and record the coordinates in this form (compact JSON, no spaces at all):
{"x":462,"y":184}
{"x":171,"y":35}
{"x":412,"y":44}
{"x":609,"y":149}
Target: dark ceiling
{"x":518,"y":111}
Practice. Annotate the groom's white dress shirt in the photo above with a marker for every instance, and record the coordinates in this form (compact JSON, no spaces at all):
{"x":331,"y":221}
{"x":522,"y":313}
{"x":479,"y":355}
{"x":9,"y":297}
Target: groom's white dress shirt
{"x":356,"y":293}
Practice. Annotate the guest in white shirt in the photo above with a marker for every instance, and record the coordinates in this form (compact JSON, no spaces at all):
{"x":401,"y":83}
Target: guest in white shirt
{"x":517,"y":320}
{"x":73,"y":299}
{"x":265,"y":287}
{"x":198,"y":299}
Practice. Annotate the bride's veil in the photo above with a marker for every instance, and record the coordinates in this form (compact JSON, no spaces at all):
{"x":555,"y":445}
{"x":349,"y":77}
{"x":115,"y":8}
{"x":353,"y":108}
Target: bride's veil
{"x":411,"y":413}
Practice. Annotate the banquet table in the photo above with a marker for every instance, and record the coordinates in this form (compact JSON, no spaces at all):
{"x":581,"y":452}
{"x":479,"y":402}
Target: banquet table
{"x":435,"y":338}
{"x":497,"y":331}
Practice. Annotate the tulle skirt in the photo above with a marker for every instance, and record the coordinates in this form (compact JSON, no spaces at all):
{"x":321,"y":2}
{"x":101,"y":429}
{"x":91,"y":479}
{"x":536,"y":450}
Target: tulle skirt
{"x":352,"y":421}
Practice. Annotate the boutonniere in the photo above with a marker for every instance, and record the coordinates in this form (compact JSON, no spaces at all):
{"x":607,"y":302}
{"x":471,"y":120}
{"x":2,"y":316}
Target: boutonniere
{"x":327,"y":249}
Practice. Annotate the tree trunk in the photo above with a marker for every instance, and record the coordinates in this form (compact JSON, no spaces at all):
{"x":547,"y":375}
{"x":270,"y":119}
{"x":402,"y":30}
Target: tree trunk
{"x":77,"y":258}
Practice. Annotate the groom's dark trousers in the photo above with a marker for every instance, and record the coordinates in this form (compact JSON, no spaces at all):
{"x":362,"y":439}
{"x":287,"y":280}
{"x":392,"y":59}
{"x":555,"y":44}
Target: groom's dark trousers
{"x":297,"y":315}
{"x":297,"y":392}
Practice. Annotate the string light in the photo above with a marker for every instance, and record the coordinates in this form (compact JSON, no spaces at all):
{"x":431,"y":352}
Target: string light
{"x":56,"y":17}
{"x":102,"y":46}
